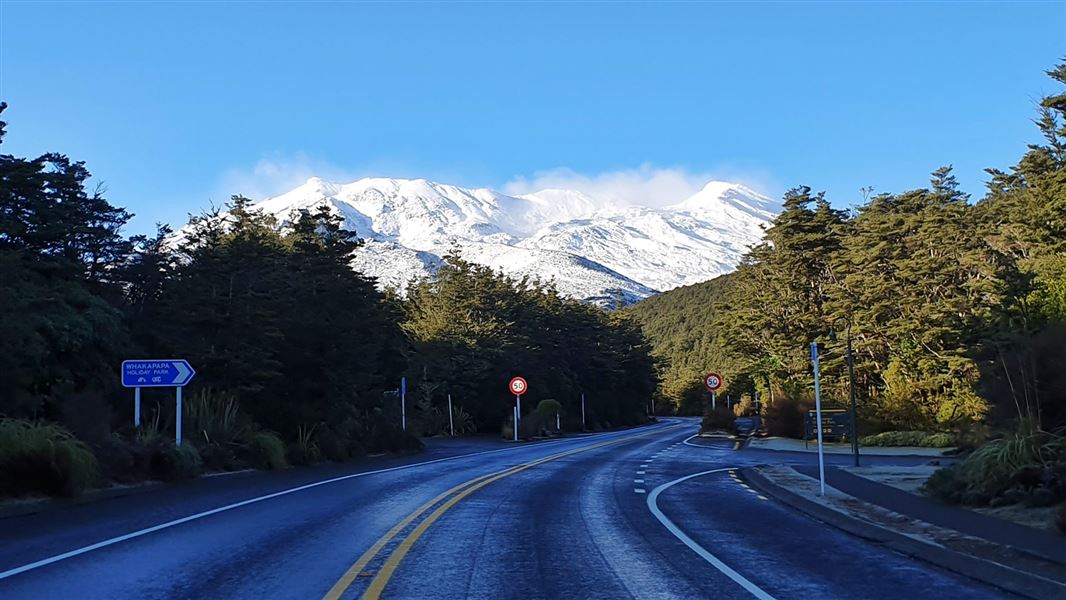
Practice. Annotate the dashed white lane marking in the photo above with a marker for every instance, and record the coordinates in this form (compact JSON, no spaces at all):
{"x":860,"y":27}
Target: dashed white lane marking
{"x":761,"y":497}
{"x":653,"y":506}
{"x":644,"y":466}
{"x":638,"y":481}
{"x":638,"y":490}
{"x":640,"y":472}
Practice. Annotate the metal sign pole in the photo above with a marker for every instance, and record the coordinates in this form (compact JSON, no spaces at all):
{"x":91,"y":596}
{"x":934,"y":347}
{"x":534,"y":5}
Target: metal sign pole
{"x":403,"y":403}
{"x":177,"y":416}
{"x":515,"y":411}
{"x":714,"y":401}
{"x":582,"y":412}
{"x":818,"y":416}
{"x":136,"y":407}
{"x":518,"y":410}
{"x":451,"y":422}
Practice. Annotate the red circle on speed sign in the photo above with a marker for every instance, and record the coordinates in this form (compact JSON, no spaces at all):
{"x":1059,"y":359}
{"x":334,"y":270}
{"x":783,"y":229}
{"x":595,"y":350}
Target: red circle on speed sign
{"x":518,"y":386}
{"x":713,"y":381}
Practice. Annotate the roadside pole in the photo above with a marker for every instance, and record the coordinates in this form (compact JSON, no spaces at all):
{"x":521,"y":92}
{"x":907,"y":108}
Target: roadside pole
{"x":818,"y":416}
{"x":451,"y":423}
{"x":851,"y":394}
{"x":403,"y":403}
{"x":582,"y":412}
{"x":177,"y":416}
{"x":558,"y":426}
{"x":714,"y":402}
{"x":157,"y":372}
{"x":518,"y":386}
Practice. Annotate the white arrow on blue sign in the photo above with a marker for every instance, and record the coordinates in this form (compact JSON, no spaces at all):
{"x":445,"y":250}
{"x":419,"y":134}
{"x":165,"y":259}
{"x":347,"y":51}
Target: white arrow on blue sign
{"x":156,"y":373}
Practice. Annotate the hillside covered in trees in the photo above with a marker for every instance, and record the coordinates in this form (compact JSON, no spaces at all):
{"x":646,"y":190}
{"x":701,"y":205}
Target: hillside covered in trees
{"x":297,"y":356}
{"x":956,"y":308}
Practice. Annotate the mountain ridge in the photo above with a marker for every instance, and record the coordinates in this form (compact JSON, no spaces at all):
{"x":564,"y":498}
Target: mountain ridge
{"x":591,"y":249}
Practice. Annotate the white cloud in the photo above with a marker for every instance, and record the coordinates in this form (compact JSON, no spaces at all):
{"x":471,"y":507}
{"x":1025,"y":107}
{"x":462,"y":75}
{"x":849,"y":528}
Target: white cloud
{"x":278,"y":173}
{"x":643,"y":186}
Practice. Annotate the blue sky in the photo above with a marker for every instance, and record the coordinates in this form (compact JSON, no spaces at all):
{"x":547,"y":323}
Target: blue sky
{"x":177,"y":105}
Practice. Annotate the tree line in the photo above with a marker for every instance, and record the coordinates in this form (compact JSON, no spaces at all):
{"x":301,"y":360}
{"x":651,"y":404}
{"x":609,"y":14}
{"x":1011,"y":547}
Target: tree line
{"x":955,"y":308}
{"x":298,"y":356}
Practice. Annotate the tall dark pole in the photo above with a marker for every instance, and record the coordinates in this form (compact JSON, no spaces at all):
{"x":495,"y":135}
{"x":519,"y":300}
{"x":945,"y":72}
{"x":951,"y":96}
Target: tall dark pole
{"x":851,"y":393}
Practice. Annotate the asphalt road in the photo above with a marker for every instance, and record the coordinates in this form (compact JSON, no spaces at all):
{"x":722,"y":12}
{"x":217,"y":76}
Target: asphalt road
{"x":641,"y":513}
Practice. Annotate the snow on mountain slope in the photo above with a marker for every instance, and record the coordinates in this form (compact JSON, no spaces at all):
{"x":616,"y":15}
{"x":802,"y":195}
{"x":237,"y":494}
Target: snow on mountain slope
{"x":591,"y":250}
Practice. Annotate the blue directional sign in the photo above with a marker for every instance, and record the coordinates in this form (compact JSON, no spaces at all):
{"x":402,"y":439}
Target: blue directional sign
{"x":154,"y":372}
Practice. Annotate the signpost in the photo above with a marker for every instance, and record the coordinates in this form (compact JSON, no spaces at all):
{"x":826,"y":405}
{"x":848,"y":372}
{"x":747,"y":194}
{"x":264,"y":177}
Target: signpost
{"x":451,"y":422}
{"x":818,"y":415}
{"x":156,"y":372}
{"x":518,"y":386}
{"x":582,"y":412}
{"x":403,"y":403}
{"x":713,"y":381}
{"x":834,"y":424}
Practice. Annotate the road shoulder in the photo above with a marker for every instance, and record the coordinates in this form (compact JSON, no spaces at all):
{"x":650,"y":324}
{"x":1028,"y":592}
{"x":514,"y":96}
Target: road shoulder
{"x":1005,"y":568}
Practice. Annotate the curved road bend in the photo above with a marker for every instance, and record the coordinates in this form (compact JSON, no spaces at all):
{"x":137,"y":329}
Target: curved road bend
{"x":634,"y":514}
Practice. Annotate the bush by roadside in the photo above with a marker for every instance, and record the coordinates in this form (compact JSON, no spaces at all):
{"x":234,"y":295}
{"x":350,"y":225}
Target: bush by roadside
{"x":919,"y":439}
{"x":1026,"y":467}
{"x":43,"y":458}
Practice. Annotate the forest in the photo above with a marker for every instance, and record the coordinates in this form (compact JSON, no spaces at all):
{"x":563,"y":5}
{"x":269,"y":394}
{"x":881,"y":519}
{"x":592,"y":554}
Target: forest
{"x":298,"y":357}
{"x":955,"y":310}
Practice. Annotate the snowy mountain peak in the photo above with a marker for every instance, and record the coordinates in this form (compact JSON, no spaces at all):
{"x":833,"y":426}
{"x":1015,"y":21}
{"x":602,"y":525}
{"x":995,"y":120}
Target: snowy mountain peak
{"x":590,"y":248}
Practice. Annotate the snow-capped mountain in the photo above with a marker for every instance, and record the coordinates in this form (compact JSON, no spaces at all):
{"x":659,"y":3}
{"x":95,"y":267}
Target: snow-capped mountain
{"x":590,"y":249}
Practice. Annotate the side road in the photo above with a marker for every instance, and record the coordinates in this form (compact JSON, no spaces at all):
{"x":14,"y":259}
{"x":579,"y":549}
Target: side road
{"x":1012,"y":557}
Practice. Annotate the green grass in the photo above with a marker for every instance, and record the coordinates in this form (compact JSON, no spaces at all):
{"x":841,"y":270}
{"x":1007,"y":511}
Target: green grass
{"x":43,"y":458}
{"x":215,"y":418}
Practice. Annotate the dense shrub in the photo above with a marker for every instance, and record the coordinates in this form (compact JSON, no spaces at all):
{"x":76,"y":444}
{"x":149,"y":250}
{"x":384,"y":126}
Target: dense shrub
{"x":921,"y":439}
{"x":721,"y":418}
{"x":174,"y":463}
{"x":266,"y":451}
{"x":785,"y":415}
{"x":1028,"y":467}
{"x":44,"y":459}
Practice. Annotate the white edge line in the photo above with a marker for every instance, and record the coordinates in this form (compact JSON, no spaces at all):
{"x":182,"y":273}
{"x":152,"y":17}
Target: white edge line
{"x":653,"y":506}
{"x":141,"y":532}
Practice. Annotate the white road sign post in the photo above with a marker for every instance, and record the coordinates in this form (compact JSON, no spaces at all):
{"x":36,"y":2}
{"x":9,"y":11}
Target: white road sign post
{"x":713,"y":381}
{"x":582,"y":412}
{"x":451,"y":423}
{"x":403,"y":403}
{"x":818,"y":416}
{"x":518,"y":386}
{"x":157,"y":372}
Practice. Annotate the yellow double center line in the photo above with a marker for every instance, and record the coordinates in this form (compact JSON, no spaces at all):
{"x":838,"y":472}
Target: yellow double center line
{"x":381,"y":579}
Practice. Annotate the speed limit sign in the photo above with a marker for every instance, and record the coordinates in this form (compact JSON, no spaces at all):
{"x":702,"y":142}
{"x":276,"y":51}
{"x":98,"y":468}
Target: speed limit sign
{"x":713,"y":381}
{"x":518,"y":386}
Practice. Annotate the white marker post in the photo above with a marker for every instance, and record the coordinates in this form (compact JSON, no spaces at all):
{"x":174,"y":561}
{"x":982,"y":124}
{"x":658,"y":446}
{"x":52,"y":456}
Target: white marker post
{"x":403,"y":403}
{"x":582,"y":412}
{"x":177,"y":416}
{"x":558,"y":426}
{"x":451,"y":422}
{"x":818,"y":416}
{"x":136,"y":407}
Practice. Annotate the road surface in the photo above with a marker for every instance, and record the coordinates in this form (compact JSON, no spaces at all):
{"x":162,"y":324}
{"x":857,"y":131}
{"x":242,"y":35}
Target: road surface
{"x":642,"y":513}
